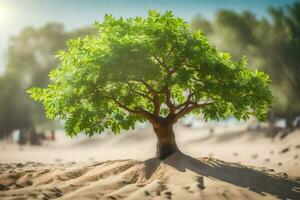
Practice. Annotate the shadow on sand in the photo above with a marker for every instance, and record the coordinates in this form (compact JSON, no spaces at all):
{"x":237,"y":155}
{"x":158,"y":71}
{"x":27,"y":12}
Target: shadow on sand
{"x":232,"y":173}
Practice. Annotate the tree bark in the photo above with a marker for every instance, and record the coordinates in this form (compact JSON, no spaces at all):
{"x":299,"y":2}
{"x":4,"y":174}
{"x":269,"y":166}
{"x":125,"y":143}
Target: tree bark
{"x":166,"y":144}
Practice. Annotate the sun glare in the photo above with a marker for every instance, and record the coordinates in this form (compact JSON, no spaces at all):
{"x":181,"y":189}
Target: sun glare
{"x":4,"y":12}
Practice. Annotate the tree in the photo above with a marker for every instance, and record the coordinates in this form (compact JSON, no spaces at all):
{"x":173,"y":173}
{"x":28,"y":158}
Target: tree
{"x":154,"y":69}
{"x":271,"y":44}
{"x":29,"y":60}
{"x":285,"y":57}
{"x":199,"y":22}
{"x":13,"y":109}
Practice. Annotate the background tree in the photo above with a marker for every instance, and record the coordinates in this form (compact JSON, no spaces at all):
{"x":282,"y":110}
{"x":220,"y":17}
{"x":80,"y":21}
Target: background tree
{"x":153,"y":69}
{"x":29,"y":60}
{"x":199,"y":22}
{"x":272,"y":45}
{"x":285,"y":46}
{"x":13,"y":110}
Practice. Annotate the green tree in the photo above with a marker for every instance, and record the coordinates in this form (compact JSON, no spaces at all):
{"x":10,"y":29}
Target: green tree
{"x":154,"y":69}
{"x":29,"y":61}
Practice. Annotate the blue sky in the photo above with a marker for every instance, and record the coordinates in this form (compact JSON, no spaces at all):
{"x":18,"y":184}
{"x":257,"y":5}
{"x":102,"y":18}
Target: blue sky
{"x":17,"y":14}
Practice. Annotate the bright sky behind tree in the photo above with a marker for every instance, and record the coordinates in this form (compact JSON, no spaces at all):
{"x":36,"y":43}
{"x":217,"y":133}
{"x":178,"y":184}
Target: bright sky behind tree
{"x":17,"y":14}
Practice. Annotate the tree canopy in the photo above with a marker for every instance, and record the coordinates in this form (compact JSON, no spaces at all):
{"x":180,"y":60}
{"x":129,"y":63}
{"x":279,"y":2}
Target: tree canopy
{"x":153,"y":69}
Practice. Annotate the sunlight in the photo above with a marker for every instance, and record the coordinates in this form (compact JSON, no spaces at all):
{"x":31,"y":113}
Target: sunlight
{"x":4,"y":13}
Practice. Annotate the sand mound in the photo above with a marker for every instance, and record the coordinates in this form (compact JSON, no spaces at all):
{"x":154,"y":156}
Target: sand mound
{"x":177,"y":177}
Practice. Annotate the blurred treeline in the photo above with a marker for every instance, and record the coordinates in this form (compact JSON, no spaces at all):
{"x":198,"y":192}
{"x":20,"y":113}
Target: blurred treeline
{"x":29,"y":58}
{"x":271,"y":44}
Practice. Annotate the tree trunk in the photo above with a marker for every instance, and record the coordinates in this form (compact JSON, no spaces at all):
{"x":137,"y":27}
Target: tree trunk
{"x":166,"y":144}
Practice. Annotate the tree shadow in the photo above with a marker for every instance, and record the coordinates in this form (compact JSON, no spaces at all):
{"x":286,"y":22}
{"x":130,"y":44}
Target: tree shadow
{"x":232,"y":173}
{"x":151,"y":165}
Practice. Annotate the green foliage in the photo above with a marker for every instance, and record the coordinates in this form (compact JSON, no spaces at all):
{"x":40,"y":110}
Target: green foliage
{"x":29,"y":60}
{"x":155,"y":68}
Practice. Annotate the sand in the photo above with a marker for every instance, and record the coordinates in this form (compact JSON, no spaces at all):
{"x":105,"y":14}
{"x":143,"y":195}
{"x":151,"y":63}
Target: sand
{"x":231,"y":163}
{"x":178,"y":177}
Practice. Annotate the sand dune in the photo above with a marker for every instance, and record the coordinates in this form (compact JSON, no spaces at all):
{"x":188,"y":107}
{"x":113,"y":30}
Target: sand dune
{"x":232,"y":163}
{"x":177,"y":177}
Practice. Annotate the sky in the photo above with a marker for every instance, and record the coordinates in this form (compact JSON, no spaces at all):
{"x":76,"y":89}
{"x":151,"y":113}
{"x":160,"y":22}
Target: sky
{"x":17,"y":14}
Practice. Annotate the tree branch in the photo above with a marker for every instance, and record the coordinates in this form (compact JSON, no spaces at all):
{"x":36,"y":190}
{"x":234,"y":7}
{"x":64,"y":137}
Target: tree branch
{"x":169,"y":103}
{"x":162,"y":64}
{"x":156,"y":104}
{"x":140,"y":112}
{"x":188,"y":100}
{"x":138,"y":92}
{"x":155,"y":99}
{"x":148,"y":86}
{"x":187,"y":109}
